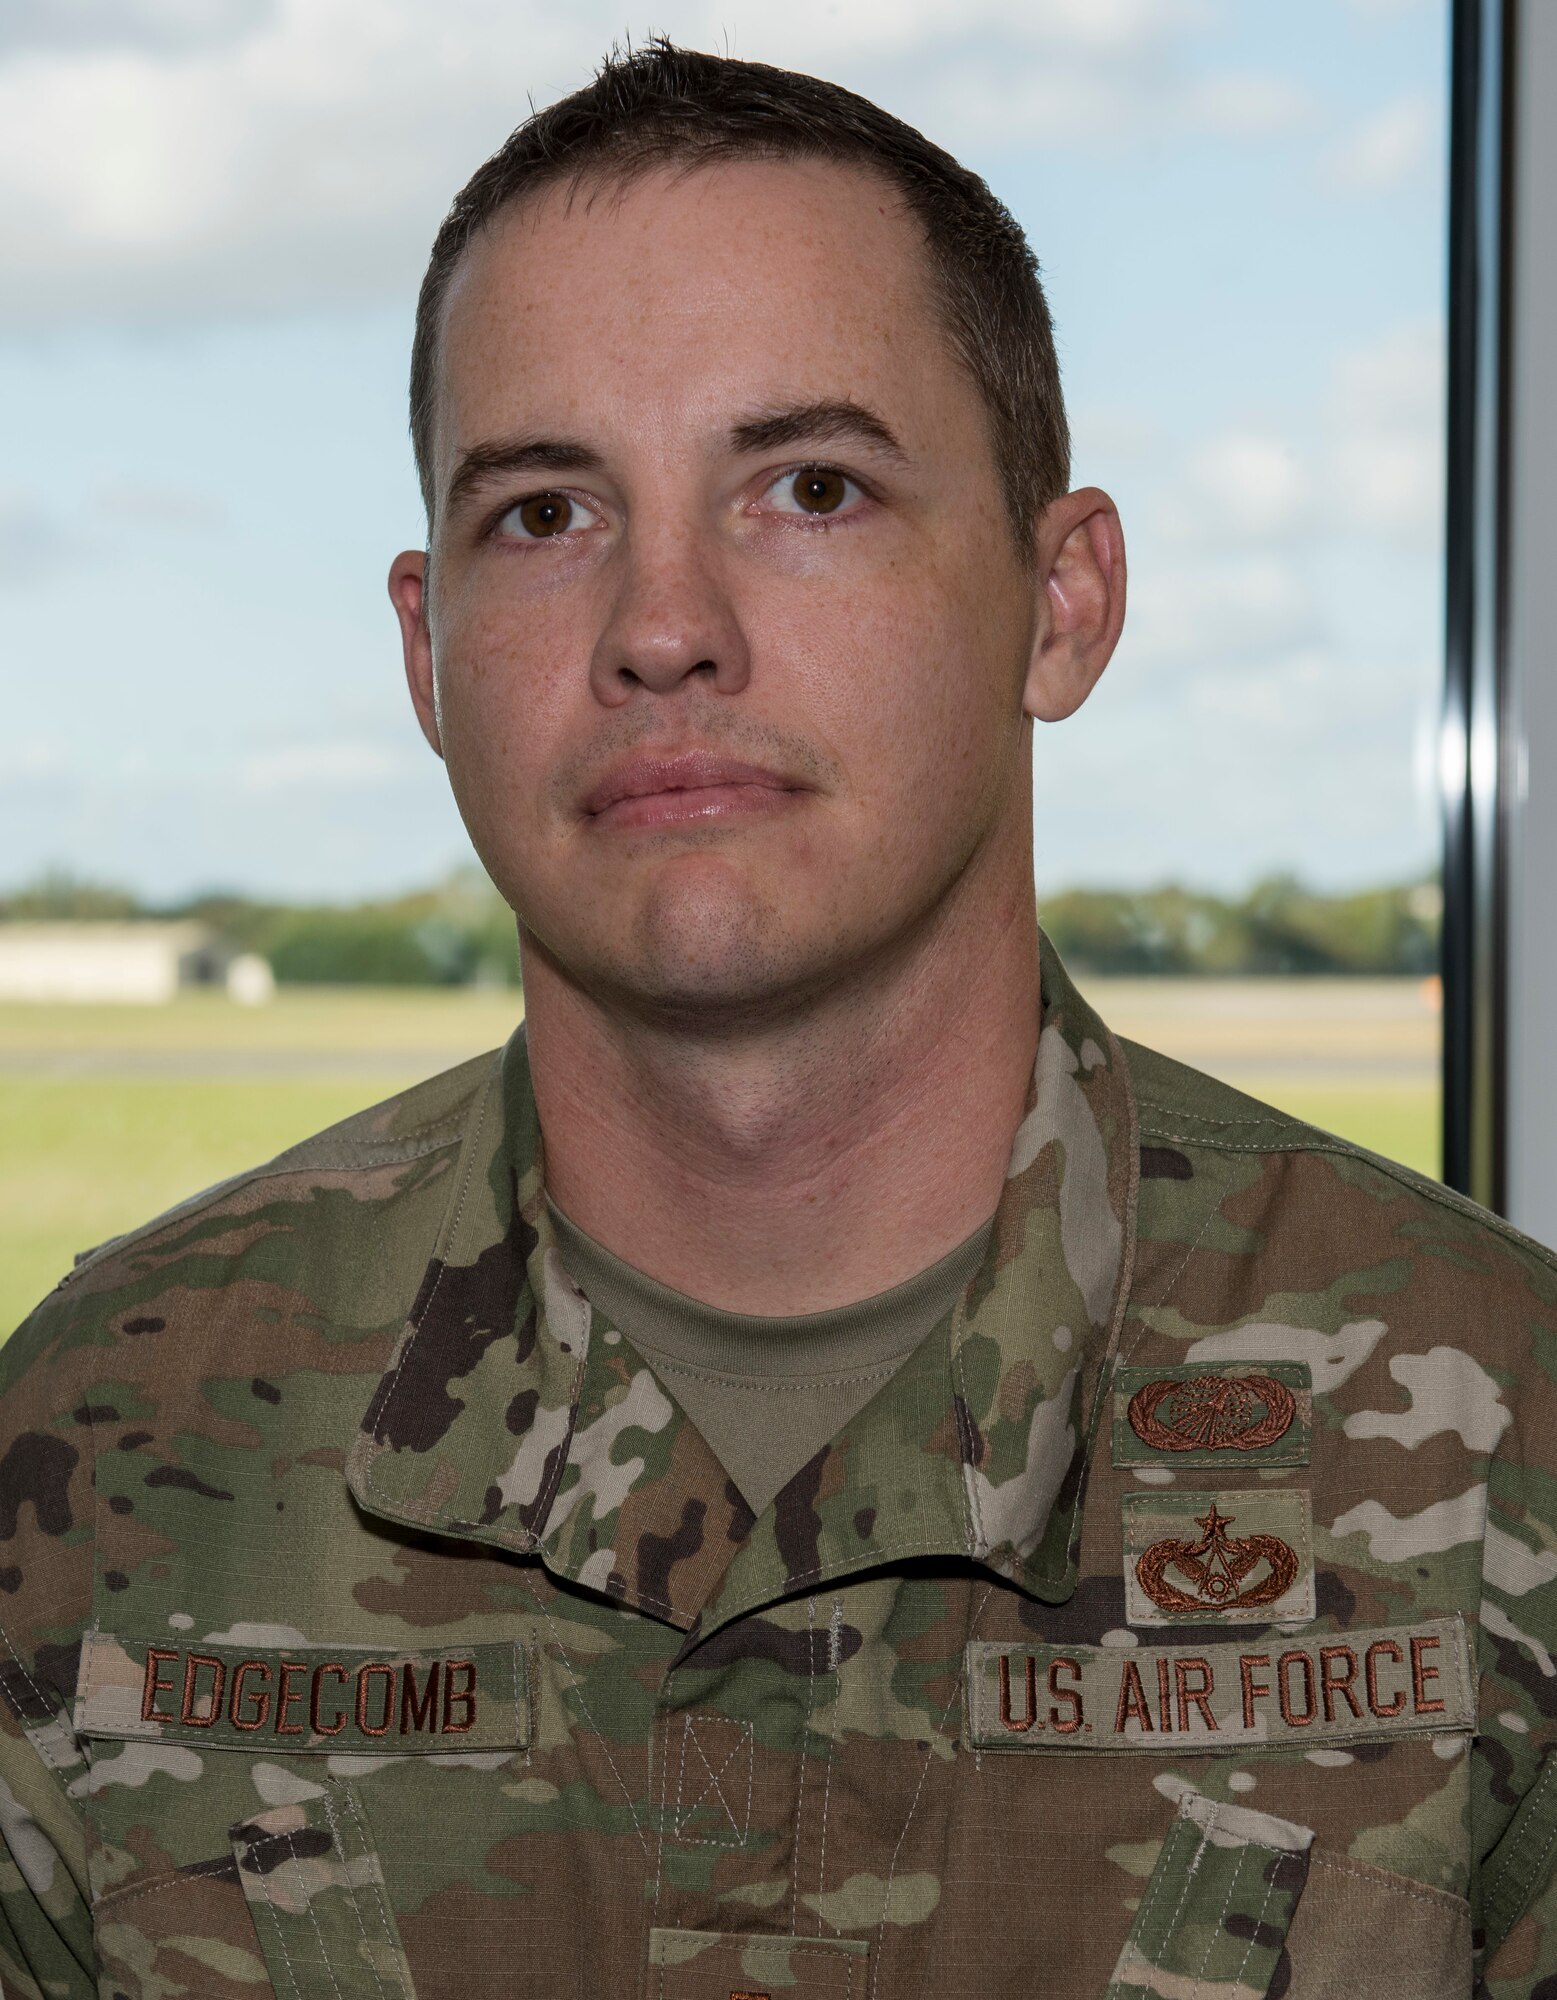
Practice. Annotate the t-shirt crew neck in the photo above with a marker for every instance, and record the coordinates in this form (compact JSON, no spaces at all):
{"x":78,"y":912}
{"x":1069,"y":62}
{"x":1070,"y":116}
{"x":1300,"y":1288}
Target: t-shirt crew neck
{"x":767,"y":1391}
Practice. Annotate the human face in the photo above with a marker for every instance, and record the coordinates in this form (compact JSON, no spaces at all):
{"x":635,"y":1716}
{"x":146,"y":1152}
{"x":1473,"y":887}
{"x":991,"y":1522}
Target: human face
{"x":727,"y":635}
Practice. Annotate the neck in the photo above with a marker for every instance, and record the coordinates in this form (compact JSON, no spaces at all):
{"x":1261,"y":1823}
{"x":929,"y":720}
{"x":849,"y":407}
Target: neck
{"x":810,"y":1163}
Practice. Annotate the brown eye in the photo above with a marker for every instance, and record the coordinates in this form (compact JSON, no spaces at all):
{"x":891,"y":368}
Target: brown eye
{"x":818,"y":491}
{"x":545,"y":514}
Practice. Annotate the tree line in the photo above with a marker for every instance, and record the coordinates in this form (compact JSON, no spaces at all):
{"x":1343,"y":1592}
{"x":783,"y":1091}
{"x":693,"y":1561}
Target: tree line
{"x":460,"y":932}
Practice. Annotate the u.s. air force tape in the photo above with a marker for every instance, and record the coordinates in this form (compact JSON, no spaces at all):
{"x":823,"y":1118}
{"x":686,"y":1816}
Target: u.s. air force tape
{"x":301,"y":1699}
{"x":1329,"y":1687}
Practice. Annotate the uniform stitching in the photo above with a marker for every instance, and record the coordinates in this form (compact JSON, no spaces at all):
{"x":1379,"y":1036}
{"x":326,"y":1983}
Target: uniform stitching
{"x":1255,"y":1928}
{"x":113,"y":1897}
{"x":924,"y":1772}
{"x":1154,"y":1890}
{"x":835,"y":1664}
{"x":390,"y":1935}
{"x":1190,"y":1872}
{"x":663,"y":1728}
{"x":370,"y":1154}
{"x":1239,"y":1145}
{"x":1524,"y":1874}
{"x":546,"y":1497}
{"x":313,"y":1914}
{"x":796,"y":1948}
{"x":275,"y":1924}
{"x":744,"y":1741}
{"x":56,"y":1713}
{"x":1439,"y":1900}
{"x":522,"y":1683}
{"x":578,"y":1689}
{"x":1276,"y":1118}
{"x":805,"y":1752}
{"x":327,"y":1804}
{"x":1520,"y":1847}
{"x":377,"y":1885}
{"x":1249,"y":1847}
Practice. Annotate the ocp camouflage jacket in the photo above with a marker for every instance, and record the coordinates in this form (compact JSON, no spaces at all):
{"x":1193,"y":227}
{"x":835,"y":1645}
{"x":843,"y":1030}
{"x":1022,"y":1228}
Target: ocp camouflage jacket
{"x":1179,"y":1620}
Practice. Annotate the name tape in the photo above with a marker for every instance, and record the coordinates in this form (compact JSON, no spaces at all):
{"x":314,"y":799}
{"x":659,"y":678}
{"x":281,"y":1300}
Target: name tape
{"x":305,"y":1699}
{"x":1332,"y":1687}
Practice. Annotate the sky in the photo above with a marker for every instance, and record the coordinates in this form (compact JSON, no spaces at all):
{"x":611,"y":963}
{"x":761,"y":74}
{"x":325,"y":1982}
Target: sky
{"x":214,"y":216}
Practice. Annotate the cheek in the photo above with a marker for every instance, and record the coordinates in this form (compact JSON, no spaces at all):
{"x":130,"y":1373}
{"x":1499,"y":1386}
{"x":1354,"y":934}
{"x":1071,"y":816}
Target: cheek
{"x":916,"y":675}
{"x":501,"y":679}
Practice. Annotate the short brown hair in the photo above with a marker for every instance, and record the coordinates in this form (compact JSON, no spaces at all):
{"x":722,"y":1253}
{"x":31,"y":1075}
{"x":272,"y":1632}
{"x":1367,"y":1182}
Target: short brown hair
{"x":663,"y":105}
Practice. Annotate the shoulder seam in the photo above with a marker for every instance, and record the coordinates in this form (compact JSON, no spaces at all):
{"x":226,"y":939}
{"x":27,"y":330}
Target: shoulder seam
{"x":1310,"y":1139}
{"x":1271,"y":1117}
{"x":434,"y":1139}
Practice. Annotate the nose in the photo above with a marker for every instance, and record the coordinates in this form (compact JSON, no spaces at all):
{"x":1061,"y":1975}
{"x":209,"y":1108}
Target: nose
{"x":671,"y":621}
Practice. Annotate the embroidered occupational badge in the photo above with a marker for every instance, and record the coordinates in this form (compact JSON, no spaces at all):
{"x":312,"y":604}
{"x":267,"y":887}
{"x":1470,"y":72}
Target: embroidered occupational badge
{"x":1223,"y":1558}
{"x":1258,"y":1415}
{"x":1212,"y":1413}
{"x":1217,"y":1571}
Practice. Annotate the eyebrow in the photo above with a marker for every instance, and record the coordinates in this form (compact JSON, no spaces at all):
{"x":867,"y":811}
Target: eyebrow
{"x":828,"y":422}
{"x":501,"y":458}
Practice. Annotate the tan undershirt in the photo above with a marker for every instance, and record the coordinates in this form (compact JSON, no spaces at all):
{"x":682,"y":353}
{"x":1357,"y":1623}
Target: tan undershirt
{"x":767,"y":1393}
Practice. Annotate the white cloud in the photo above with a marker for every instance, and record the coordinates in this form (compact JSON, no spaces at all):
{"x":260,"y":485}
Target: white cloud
{"x":1278,"y":697}
{"x":1255,"y":484}
{"x":1244,"y":607}
{"x":1388,"y":149}
{"x":1247,"y":105}
{"x":1368,"y":462}
{"x":1386,"y":418}
{"x":1395,"y":378}
{"x":211,"y":156}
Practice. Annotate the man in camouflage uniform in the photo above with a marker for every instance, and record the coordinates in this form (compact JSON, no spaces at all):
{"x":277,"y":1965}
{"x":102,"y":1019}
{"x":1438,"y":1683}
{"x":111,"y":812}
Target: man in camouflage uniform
{"x":1174,"y":1614}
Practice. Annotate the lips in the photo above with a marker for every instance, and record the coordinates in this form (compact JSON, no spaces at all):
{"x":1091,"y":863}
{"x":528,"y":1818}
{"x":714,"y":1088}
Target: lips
{"x":656,"y":789}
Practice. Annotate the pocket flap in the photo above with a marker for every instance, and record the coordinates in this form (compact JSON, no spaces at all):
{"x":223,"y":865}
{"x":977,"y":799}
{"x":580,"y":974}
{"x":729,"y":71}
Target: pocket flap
{"x":315,"y":1889}
{"x":324,"y":1700}
{"x":1216,"y":1910}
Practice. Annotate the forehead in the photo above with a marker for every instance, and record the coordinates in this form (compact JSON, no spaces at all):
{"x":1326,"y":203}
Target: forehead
{"x":682,"y":297}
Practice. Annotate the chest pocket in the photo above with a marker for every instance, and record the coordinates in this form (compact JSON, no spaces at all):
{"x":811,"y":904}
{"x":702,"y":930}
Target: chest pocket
{"x":258,"y":1810}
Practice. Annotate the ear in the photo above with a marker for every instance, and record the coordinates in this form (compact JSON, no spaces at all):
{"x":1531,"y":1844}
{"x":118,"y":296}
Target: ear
{"x":408,"y":594}
{"x":1081,"y":572}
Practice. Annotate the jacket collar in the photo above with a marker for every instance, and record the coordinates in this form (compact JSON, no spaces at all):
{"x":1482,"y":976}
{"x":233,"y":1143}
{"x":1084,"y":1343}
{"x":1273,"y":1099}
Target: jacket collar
{"x":514,"y":1414}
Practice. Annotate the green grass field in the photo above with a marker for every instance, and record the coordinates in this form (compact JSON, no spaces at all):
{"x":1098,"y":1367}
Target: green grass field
{"x":110,"y":1114}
